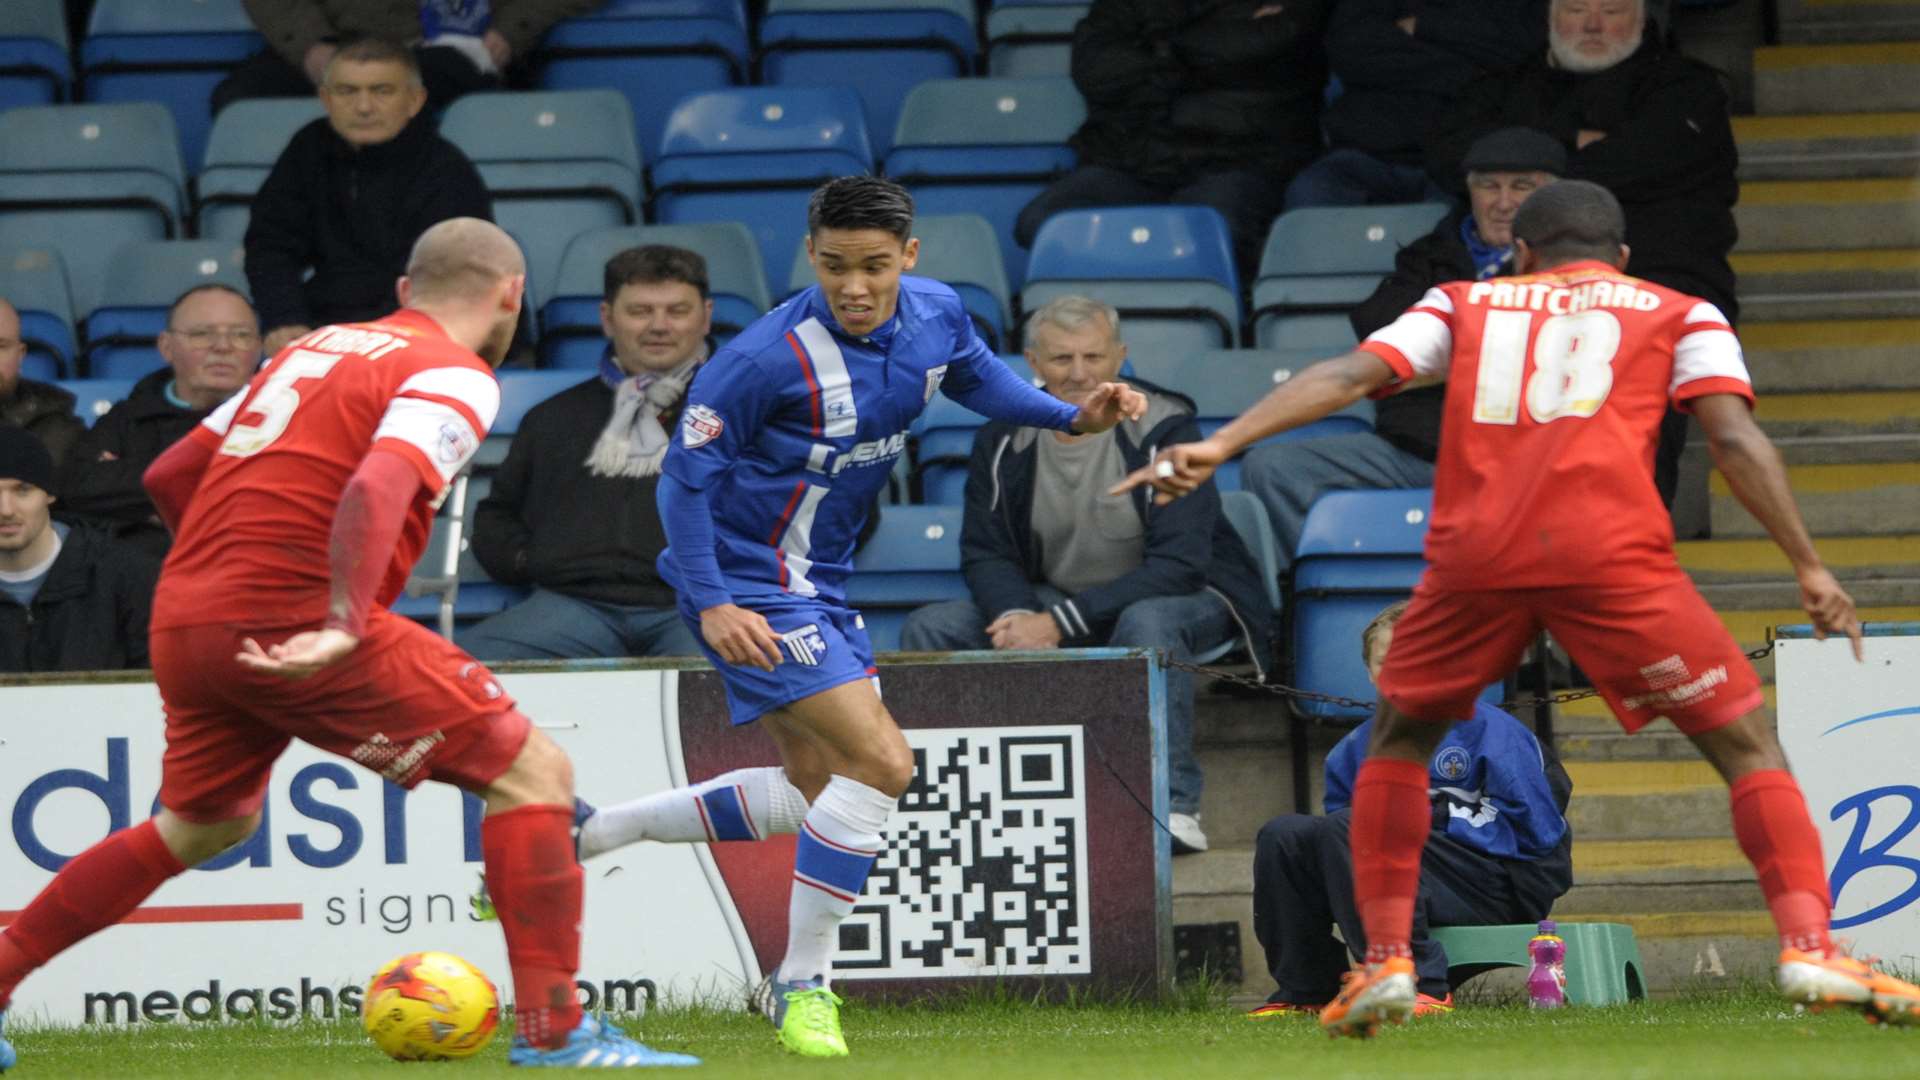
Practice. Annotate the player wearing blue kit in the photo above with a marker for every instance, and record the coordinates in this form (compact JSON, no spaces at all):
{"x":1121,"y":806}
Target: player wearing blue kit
{"x":788,"y":434}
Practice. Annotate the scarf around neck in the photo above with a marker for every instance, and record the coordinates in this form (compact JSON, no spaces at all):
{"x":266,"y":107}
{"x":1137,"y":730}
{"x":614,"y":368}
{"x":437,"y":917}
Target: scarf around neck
{"x":634,"y":442}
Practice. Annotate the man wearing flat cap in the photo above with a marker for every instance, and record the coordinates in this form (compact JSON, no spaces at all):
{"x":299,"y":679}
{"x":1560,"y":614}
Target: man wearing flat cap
{"x":71,"y":597}
{"x":1475,"y":243}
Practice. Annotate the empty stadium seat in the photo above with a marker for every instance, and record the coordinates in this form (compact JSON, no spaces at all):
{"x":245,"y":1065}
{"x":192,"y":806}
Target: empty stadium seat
{"x":652,"y":51}
{"x":520,"y":390}
{"x":959,"y":250}
{"x":911,"y":560}
{"x":1224,"y":383}
{"x":754,"y":155}
{"x":943,"y":443}
{"x":570,"y":335}
{"x":985,"y":146}
{"x":557,"y":163}
{"x":34,"y":68}
{"x":84,"y":179}
{"x":1321,"y":261}
{"x":1168,"y":269}
{"x":247,"y":138}
{"x":34,"y":281}
{"x":168,"y":51}
{"x":143,"y":280}
{"x":882,"y":47}
{"x":1359,"y":551}
{"x":448,"y":587}
{"x":93,"y":397}
{"x":1032,"y":37}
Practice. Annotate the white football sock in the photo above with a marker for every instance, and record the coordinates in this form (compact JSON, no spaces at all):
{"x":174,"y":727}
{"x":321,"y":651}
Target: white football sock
{"x":745,"y":804}
{"x":839,"y":841}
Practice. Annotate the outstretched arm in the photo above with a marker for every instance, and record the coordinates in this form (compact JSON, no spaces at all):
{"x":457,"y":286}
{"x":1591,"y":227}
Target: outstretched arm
{"x":1744,"y":455}
{"x":1324,"y":388}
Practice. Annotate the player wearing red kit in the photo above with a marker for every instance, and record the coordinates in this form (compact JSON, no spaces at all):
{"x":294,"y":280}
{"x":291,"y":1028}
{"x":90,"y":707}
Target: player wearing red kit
{"x":298,"y":508}
{"x":1545,"y":515}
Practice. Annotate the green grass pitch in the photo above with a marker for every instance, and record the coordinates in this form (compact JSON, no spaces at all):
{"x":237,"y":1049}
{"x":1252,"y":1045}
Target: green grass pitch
{"x":1744,"y":1035}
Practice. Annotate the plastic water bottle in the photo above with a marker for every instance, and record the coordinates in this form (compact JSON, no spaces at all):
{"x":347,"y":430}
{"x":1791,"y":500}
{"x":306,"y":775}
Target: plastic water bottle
{"x":1547,"y":978}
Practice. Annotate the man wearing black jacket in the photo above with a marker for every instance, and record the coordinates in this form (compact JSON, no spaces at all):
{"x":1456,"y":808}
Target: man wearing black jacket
{"x":44,"y":409}
{"x":1051,"y":560}
{"x":212,"y":346}
{"x":1503,"y":168}
{"x":71,"y":598}
{"x":350,"y":195}
{"x":572,"y":510}
{"x":1207,"y":102}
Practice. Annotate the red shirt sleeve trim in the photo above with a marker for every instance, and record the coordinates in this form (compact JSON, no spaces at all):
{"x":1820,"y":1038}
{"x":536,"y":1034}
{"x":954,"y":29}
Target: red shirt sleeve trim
{"x":1395,"y":359}
{"x":1713,"y":384}
{"x":429,"y":475}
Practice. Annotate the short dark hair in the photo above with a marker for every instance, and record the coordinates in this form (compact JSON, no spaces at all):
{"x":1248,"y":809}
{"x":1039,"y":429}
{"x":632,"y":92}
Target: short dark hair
{"x":207,"y":286}
{"x":651,"y":264}
{"x":1387,"y":617}
{"x":1570,"y":220}
{"x":373,"y":50}
{"x":861,"y":202}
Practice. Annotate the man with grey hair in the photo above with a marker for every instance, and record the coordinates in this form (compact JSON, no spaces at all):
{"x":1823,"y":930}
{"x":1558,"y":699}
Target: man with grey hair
{"x":1051,"y":560}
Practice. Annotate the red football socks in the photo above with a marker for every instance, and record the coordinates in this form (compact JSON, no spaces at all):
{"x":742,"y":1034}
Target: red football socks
{"x":1391,"y":819}
{"x":537,"y":888}
{"x":1770,"y":820}
{"x":97,"y":888}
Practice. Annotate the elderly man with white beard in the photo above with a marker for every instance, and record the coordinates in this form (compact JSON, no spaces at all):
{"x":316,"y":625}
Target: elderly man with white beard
{"x":1646,"y":123}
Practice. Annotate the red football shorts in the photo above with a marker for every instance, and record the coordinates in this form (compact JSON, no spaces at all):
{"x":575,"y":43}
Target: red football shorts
{"x":406,"y":704}
{"x":1650,"y":651}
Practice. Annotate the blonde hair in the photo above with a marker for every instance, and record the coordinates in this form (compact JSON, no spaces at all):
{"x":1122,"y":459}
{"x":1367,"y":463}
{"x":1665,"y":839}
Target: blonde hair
{"x":1388,"y":616}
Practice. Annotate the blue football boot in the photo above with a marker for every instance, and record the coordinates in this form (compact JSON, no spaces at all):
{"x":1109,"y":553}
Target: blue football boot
{"x":595,"y":1044}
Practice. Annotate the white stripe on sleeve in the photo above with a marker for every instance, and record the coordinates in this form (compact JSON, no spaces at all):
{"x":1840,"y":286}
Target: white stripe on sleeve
{"x":1711,"y":352}
{"x":477,"y":390}
{"x":220,"y":419}
{"x":1423,"y":334}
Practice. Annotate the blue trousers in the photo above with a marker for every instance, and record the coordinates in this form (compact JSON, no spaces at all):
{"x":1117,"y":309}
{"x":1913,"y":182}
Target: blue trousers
{"x":550,"y":626}
{"x":1288,"y":477}
{"x":1182,"y":625}
{"x":1349,"y":177}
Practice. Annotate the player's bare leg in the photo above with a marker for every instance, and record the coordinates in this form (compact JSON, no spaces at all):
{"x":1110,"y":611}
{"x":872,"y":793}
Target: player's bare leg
{"x":1775,"y":831}
{"x":537,"y":888}
{"x":1391,"y":819}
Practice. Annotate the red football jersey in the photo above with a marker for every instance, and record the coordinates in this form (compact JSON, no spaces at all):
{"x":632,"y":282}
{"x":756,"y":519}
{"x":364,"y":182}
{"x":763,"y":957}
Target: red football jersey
{"x":1556,"y":386}
{"x":252,"y":547}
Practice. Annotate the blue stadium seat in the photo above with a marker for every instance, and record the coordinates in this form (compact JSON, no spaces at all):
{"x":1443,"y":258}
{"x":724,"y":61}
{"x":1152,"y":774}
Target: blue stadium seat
{"x":34,"y":281}
{"x":943,"y":443}
{"x":985,"y":146}
{"x":882,"y":47}
{"x":1223,"y":383}
{"x":557,"y":163}
{"x":570,"y":335}
{"x":912,"y":559}
{"x":754,"y":155}
{"x":1359,"y":551}
{"x":1321,"y":261}
{"x":432,"y":596}
{"x":652,"y":51}
{"x":247,"y":138}
{"x":1032,"y":37}
{"x":34,"y":68}
{"x":959,"y":250}
{"x":143,"y":280}
{"x":93,"y":397}
{"x":84,"y":179}
{"x":1168,"y":269}
{"x":520,"y":390}
{"x":169,"y":51}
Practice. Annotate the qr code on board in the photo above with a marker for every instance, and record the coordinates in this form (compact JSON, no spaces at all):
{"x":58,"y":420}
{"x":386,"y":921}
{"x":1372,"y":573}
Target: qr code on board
{"x":984,"y":870}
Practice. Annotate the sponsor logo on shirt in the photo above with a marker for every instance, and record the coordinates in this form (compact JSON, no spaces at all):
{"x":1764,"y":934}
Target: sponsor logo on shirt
{"x":871,"y":452}
{"x":806,"y":645}
{"x":700,"y":426}
{"x":935,"y":375}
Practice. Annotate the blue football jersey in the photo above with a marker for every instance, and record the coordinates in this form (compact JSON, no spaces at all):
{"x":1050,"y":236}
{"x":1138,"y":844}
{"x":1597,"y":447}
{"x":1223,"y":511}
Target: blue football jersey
{"x":792,"y":429}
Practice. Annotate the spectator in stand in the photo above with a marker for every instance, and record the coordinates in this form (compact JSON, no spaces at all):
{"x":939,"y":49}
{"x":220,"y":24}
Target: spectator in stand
{"x":71,"y":598}
{"x":1476,"y":243}
{"x":1399,"y":63}
{"x":211,"y":346}
{"x":1052,"y":560}
{"x":1192,"y":101}
{"x":461,"y":45}
{"x":350,"y":195}
{"x":1500,"y":852}
{"x":41,"y":408}
{"x":572,"y":509}
{"x":1647,"y":124}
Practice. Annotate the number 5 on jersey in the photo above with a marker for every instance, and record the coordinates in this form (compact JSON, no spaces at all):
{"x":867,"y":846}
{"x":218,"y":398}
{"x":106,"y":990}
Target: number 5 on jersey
{"x":266,"y":417}
{"x":1572,"y":366}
